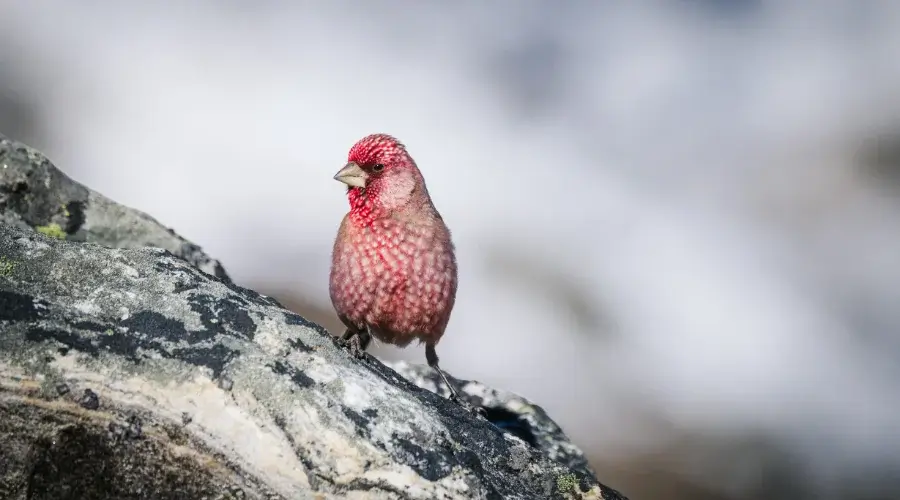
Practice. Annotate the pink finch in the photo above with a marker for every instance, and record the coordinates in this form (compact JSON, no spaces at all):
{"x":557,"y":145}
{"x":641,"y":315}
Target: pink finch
{"x":393,"y":267}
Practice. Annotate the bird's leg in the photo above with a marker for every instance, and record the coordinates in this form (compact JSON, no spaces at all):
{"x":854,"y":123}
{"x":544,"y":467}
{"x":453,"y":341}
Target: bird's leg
{"x":356,"y":341}
{"x":365,"y":338}
{"x":345,"y":339}
{"x":432,"y":358}
{"x":360,"y":342}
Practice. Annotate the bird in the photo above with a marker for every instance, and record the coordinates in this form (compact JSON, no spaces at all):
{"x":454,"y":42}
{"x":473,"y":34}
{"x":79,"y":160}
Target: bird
{"x":393,"y":267}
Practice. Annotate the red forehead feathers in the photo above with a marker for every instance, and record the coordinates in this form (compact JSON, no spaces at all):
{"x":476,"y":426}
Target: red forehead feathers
{"x":376,"y":148}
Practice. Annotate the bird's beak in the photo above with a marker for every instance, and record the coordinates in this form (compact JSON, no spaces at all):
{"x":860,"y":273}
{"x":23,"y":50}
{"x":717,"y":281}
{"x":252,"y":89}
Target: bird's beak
{"x":352,"y":175}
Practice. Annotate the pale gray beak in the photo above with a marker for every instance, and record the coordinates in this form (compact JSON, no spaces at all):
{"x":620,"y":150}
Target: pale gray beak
{"x":352,"y":175}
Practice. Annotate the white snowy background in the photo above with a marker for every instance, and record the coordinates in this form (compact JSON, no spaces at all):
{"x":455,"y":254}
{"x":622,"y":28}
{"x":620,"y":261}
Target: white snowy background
{"x":670,"y":230}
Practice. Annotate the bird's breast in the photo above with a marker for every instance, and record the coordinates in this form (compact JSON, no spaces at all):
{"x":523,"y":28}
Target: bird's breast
{"x":397,"y":276}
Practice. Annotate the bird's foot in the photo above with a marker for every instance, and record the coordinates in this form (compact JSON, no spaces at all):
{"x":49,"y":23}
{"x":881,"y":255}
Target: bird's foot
{"x":478,"y":411}
{"x":355,"y":347}
{"x":353,"y":342}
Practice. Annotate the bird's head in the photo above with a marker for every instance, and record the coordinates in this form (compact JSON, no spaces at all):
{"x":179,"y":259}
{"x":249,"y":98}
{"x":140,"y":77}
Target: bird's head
{"x":381,"y":175}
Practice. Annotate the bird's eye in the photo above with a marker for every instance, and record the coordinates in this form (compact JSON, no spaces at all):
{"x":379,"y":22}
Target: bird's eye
{"x":378,"y":167}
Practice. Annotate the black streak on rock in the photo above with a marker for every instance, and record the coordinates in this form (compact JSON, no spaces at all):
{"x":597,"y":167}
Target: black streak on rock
{"x":360,"y":484}
{"x":17,"y":307}
{"x":238,"y":319}
{"x":302,"y":380}
{"x":298,"y":345}
{"x":184,"y":285}
{"x":71,"y":340}
{"x":297,"y":376}
{"x":295,"y":319}
{"x":152,"y":325}
{"x":89,"y":325}
{"x":431,"y":465}
{"x":315,"y":480}
{"x":169,"y":267}
{"x":215,"y":314}
{"x":361,"y":422}
{"x":240,"y":293}
{"x":468,"y":458}
{"x":155,"y":325}
{"x":215,"y":357}
{"x":112,"y":341}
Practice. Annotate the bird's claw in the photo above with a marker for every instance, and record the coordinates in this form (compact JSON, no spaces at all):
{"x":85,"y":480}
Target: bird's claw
{"x":356,"y":352}
{"x":356,"y":349}
{"x":478,"y":411}
{"x":353,"y":345}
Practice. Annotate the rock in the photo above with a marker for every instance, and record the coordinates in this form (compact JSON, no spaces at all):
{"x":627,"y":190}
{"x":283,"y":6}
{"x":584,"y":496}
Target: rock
{"x":514,"y":414}
{"x":130,"y":373}
{"x":35,"y":194}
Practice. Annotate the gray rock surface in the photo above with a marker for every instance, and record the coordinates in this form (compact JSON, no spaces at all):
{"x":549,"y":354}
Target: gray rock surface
{"x":35,"y":194}
{"x":129,"y":373}
{"x":510,"y":412}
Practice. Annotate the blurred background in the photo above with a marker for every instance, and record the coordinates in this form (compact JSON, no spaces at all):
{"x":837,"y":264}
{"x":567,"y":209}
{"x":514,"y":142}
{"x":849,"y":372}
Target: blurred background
{"x":677,"y":222}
